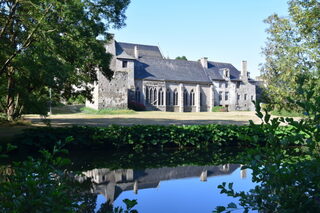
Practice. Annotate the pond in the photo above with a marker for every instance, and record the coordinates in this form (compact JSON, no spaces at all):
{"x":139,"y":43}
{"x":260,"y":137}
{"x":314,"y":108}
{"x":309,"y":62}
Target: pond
{"x":166,"y":181}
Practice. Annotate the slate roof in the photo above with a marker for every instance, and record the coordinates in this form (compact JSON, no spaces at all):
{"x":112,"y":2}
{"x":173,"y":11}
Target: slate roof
{"x":144,"y":50}
{"x":120,"y":53}
{"x":215,"y":70}
{"x":166,"y":69}
{"x":152,"y":66}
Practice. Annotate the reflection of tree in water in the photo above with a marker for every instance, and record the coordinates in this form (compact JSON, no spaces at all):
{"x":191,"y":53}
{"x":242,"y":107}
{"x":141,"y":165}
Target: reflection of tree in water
{"x":111,"y":183}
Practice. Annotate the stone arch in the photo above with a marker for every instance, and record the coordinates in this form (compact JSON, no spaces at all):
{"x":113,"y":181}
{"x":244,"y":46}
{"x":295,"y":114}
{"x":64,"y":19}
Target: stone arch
{"x":137,"y":95}
{"x":185,"y":97}
{"x":160,"y":97}
{"x":168,"y":99}
{"x":175,"y":97}
{"x":147,"y":95}
{"x":155,"y":101}
{"x":151,"y":96}
{"x":192,"y":101}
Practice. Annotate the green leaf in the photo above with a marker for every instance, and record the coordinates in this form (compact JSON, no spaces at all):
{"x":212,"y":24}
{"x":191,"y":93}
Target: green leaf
{"x":232,"y":205}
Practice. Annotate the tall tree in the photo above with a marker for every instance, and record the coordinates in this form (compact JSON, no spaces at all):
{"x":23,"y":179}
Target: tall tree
{"x":293,"y":52}
{"x":53,"y":44}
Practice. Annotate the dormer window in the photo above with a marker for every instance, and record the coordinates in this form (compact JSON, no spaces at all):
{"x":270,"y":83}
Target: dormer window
{"x":124,"y":64}
{"x":226,"y":73}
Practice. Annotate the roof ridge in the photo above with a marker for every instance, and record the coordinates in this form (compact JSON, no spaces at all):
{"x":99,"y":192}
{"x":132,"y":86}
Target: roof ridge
{"x":220,"y":62}
{"x":138,"y":44}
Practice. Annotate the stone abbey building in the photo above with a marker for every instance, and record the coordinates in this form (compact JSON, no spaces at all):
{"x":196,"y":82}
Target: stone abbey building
{"x":142,"y":75}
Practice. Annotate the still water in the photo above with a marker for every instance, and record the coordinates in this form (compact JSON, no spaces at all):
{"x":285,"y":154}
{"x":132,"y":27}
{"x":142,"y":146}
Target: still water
{"x":178,"y":188}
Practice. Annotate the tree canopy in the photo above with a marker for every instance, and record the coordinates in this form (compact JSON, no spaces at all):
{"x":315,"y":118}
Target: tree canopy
{"x":292,"y":52}
{"x":181,"y":58}
{"x":53,"y":44}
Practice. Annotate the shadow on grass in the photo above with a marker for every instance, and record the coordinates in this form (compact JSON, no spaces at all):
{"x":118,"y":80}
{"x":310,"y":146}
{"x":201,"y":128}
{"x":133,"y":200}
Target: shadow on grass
{"x":56,"y":122}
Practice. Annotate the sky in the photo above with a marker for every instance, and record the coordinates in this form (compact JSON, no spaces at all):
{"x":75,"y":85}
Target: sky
{"x":222,"y":30}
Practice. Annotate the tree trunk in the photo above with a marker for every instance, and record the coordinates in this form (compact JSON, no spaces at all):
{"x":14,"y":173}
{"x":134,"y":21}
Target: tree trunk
{"x":10,"y":107}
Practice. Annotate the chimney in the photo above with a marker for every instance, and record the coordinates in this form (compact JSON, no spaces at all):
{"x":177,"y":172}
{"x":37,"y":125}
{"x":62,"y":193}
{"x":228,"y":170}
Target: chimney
{"x":136,"y":52}
{"x":204,"y":62}
{"x":244,"y":71}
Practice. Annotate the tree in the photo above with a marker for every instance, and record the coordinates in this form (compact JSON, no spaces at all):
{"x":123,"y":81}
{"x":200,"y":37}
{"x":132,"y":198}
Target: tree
{"x":53,"y":44}
{"x":181,"y":58}
{"x":292,"y":52}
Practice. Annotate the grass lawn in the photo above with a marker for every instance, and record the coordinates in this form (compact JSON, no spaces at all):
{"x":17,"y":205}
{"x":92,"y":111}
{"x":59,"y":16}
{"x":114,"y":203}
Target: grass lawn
{"x":146,"y":117}
{"x":87,"y":110}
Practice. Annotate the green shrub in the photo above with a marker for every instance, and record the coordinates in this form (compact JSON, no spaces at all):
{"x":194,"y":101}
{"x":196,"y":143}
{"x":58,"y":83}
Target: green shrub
{"x":80,"y":99}
{"x":139,"y":137}
{"x":286,"y":113}
{"x":219,"y":109}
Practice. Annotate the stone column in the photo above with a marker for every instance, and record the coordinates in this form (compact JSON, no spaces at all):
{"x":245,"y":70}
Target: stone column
{"x":135,"y":187}
{"x":197,"y":98}
{"x":243,"y":172}
{"x":180,"y":103}
{"x":143,"y":93}
{"x":211,"y":97}
{"x":165,"y":98}
{"x":129,"y":174}
{"x":158,"y":98}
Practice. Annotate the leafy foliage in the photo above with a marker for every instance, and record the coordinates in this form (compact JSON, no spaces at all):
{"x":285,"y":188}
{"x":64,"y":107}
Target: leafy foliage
{"x":53,"y":44}
{"x":286,"y":183}
{"x":181,"y":58}
{"x":140,"y":137}
{"x":292,"y":51}
{"x":44,"y":185}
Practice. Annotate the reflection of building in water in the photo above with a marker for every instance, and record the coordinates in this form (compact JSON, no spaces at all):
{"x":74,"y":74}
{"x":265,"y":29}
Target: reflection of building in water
{"x":111,"y":183}
{"x":243,"y":172}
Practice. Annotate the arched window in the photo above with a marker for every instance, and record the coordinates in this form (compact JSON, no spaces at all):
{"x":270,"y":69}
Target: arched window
{"x":185,"y":97}
{"x":175,"y":97}
{"x":160,"y":97}
{"x":155,"y":97}
{"x":147,"y":95}
{"x":192,"y":102}
{"x":151,"y":96}
{"x":137,"y":95}
{"x":168,"y":99}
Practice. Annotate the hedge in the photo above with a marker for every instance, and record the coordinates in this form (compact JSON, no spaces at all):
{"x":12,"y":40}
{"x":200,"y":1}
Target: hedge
{"x":144,"y":136}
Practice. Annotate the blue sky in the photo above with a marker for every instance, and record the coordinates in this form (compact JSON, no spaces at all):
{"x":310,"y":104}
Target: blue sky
{"x":222,"y":30}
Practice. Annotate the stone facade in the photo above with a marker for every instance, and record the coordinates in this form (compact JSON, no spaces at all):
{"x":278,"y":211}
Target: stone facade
{"x":142,"y":75}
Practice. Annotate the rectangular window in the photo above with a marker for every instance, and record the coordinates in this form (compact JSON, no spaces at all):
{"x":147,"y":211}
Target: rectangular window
{"x":238,"y":84}
{"x":220,"y":96}
{"x":226,"y":96}
{"x":124,"y":64}
{"x":245,"y":97}
{"x":238,"y":97}
{"x":226,"y":84}
{"x":251,"y":97}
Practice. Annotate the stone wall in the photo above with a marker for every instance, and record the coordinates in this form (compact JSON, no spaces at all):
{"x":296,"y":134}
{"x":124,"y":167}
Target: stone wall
{"x":113,"y":93}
